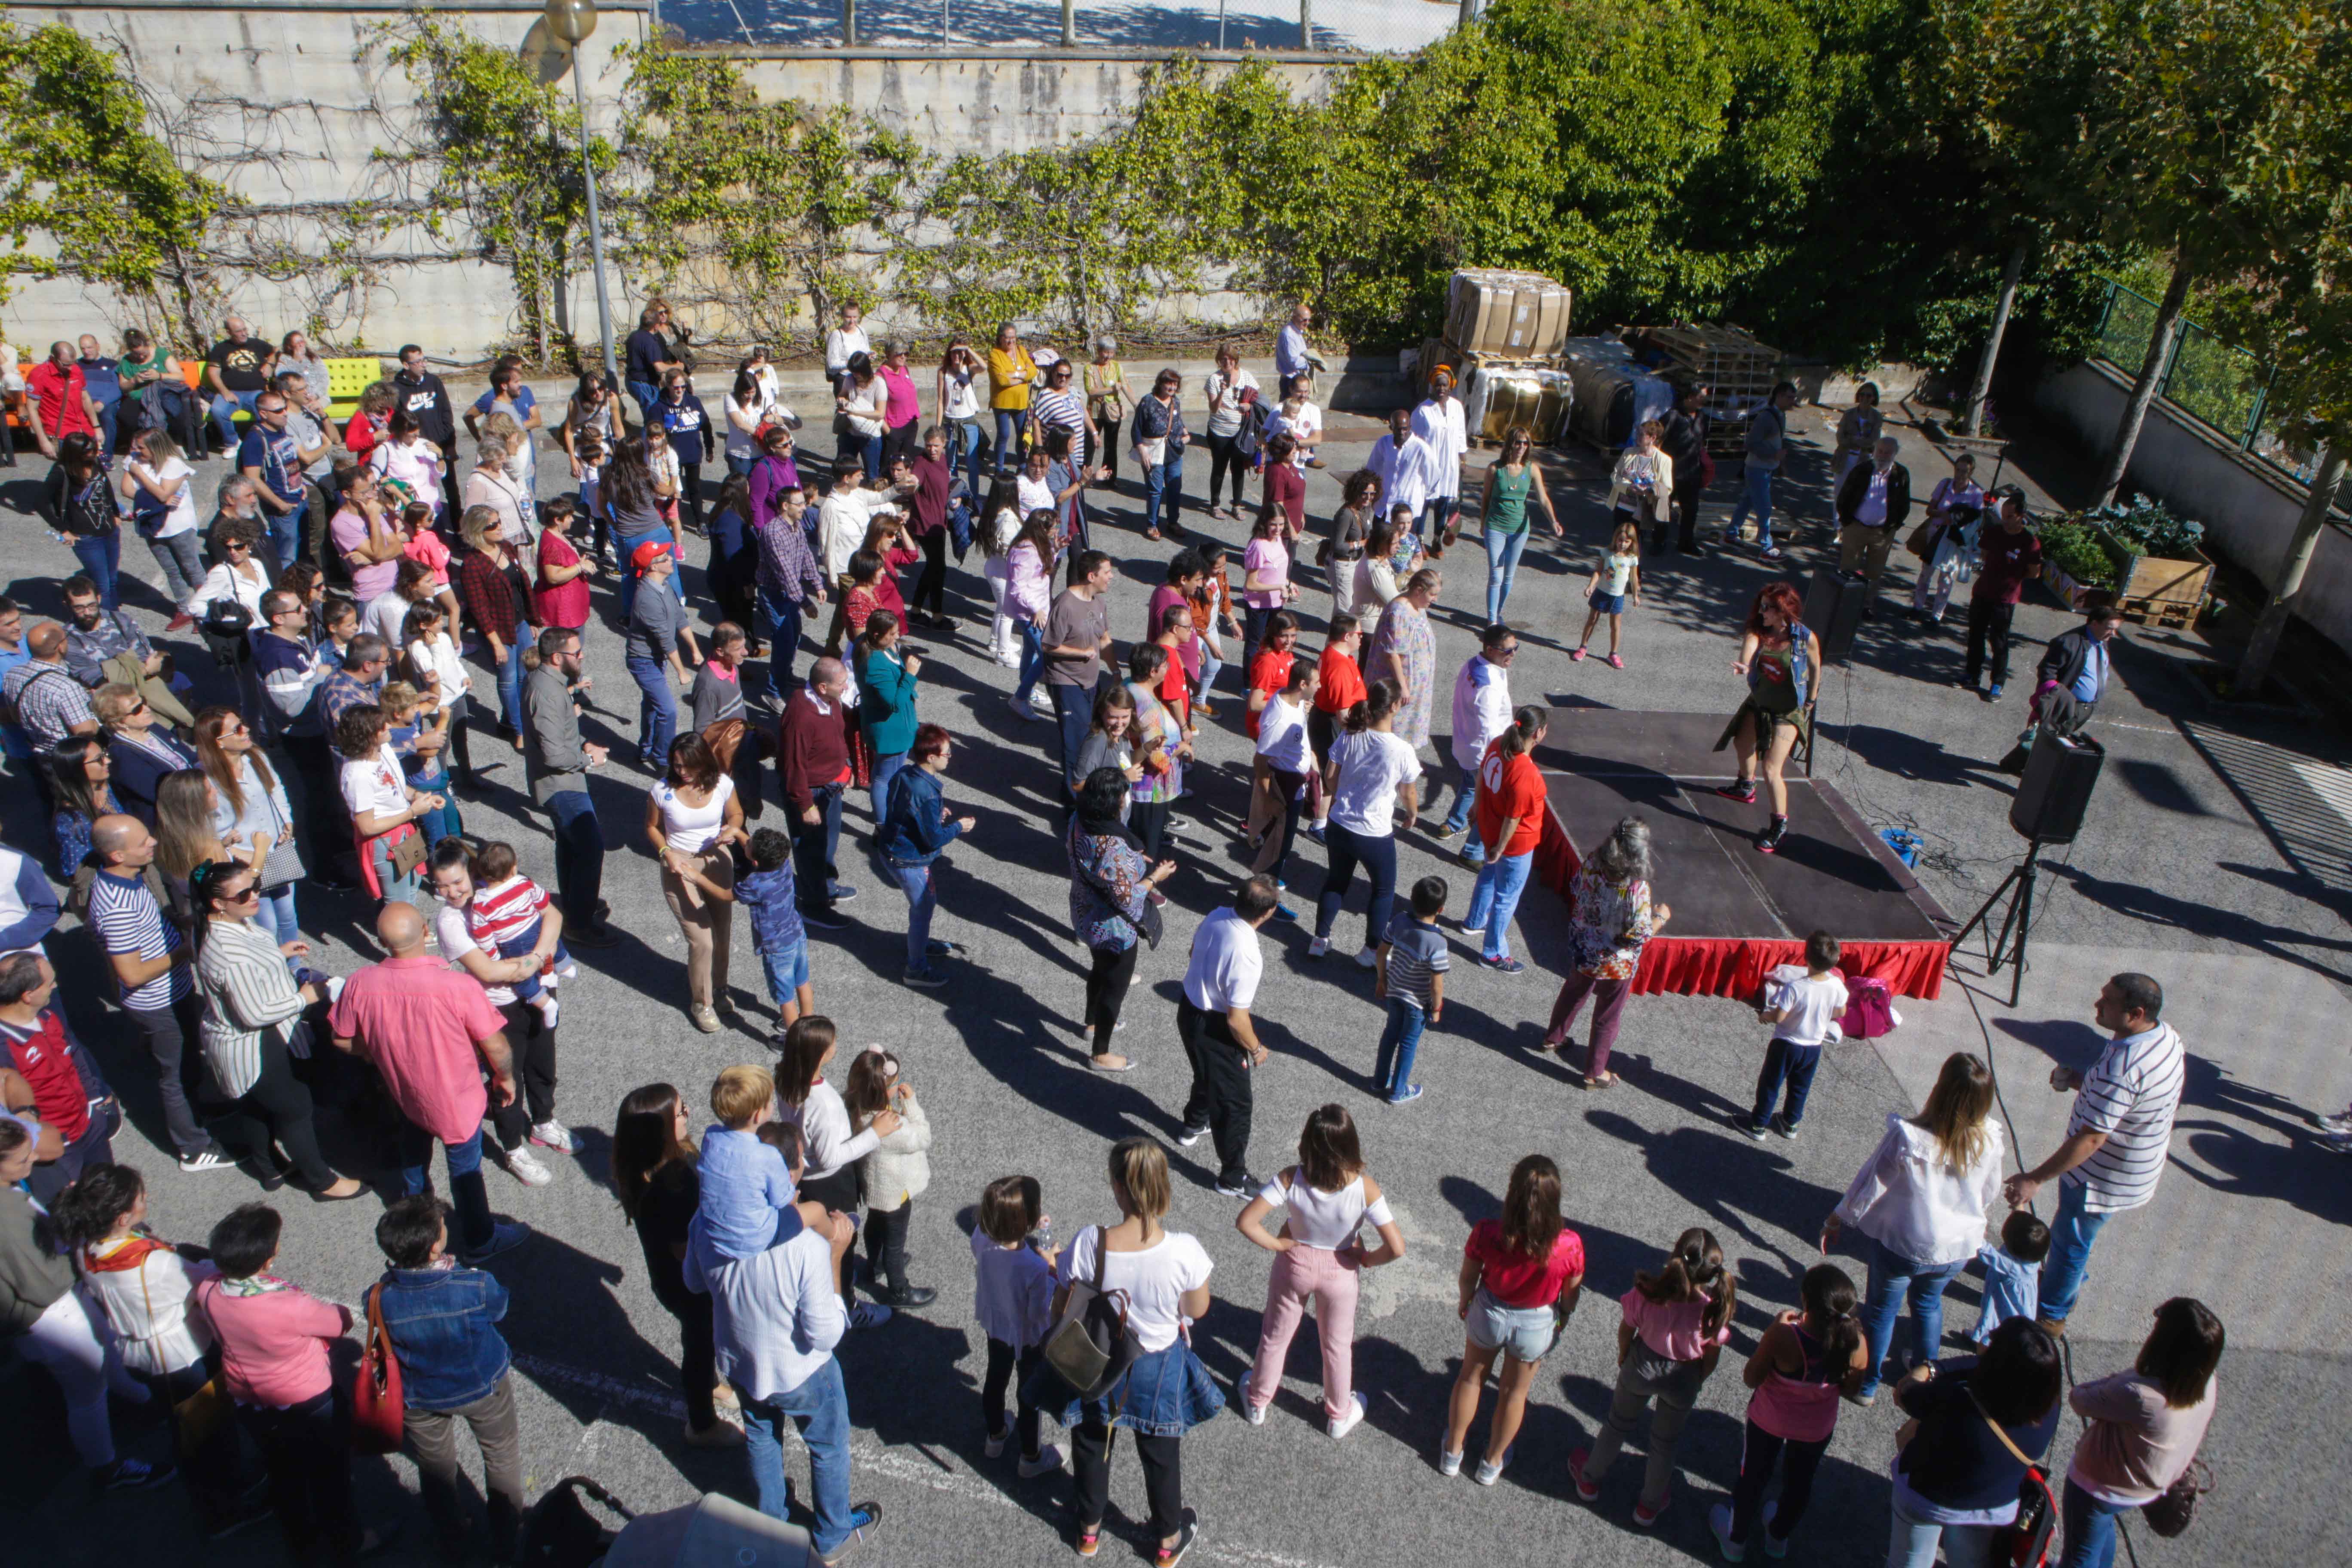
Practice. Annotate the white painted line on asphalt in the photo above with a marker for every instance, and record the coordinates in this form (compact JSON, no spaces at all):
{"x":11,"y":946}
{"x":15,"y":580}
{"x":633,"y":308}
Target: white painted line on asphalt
{"x":871,"y":1456}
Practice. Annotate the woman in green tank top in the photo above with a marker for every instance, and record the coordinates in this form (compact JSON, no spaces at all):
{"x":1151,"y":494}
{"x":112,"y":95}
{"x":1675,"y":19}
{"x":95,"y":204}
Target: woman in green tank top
{"x":1503,"y":511}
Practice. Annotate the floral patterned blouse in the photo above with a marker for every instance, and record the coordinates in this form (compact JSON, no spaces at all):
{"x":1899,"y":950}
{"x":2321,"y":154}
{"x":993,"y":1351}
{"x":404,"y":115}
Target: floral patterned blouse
{"x":1107,"y":890}
{"x":1609,"y":924}
{"x":1151,"y":713}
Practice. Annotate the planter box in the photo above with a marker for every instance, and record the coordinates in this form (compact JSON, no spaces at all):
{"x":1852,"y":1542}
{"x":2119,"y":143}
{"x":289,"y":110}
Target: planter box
{"x":2155,"y":580}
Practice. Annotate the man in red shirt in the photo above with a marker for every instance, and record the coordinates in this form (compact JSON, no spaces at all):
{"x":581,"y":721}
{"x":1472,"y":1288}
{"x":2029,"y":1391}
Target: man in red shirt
{"x":1340,"y":685}
{"x":814,"y":758}
{"x":2011,"y":557}
{"x":62,"y":404}
{"x":430,"y":1031}
{"x":1510,"y":811}
{"x":70,"y":1093}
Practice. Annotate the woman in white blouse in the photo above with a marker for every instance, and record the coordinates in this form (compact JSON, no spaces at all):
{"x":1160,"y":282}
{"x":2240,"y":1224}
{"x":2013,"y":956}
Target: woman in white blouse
{"x":692,"y":814}
{"x":832,"y":1176}
{"x":1165,"y":1392}
{"x":383,"y":807}
{"x":1326,"y":1200}
{"x":406,"y":457}
{"x":253,"y":1028}
{"x":492,"y":485}
{"x":159,"y":490}
{"x":240,"y":578}
{"x":1920,"y":1201}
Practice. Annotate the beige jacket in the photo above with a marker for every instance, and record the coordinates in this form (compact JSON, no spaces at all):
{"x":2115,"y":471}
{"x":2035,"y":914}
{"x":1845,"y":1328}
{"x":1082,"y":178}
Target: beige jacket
{"x":1623,"y":495}
{"x":898,"y":1168}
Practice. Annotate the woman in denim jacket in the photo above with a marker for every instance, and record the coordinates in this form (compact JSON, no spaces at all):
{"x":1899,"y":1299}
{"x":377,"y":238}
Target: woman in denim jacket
{"x":441,"y":1321}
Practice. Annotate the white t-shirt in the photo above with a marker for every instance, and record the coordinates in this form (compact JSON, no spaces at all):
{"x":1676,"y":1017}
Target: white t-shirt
{"x":1224,"y":400}
{"x":1282,"y":735}
{"x":182,"y":515}
{"x":1819,"y":1003}
{"x":663,"y":466}
{"x":1155,"y":1280}
{"x":842,"y":521}
{"x":963,"y":397}
{"x":385,"y":614}
{"x":691,"y":828}
{"x":1226,"y":965}
{"x":374,"y":784}
{"x":839,"y":345}
{"x":1372,"y":764}
{"x":740,"y":442}
{"x":1317,"y":1219}
{"x":1036,"y":495}
{"x":439,"y":659}
{"x":456,"y":941}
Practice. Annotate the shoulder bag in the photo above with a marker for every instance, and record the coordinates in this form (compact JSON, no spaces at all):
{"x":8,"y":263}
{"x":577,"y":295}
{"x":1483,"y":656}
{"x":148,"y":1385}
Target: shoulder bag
{"x":376,"y":1404}
{"x":1091,"y":1346}
{"x":2170,"y":1513}
{"x":2024,"y":1542}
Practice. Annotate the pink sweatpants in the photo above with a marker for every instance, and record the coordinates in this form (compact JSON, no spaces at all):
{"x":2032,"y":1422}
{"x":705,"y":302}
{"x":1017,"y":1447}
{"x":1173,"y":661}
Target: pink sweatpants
{"x":1301,"y":1272}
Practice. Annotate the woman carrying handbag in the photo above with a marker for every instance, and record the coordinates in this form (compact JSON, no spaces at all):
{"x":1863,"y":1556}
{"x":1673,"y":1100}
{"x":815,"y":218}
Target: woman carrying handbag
{"x":1967,"y":1458}
{"x":1161,"y":1277}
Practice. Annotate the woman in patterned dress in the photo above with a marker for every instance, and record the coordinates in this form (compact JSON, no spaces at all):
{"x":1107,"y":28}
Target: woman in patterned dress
{"x":1611,"y":921}
{"x":1404,"y":649}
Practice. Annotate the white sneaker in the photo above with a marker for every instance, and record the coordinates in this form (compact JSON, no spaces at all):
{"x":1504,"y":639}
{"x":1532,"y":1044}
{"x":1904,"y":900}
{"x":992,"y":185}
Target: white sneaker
{"x":549,"y":1009}
{"x":994,"y":1444}
{"x":1048,"y":1461}
{"x":1318,"y":948}
{"x":1253,"y":1414}
{"x":868,"y":1315}
{"x":1448,"y":1464}
{"x":1347,"y":1423}
{"x":553,"y":1134}
{"x":1489,"y":1471}
{"x":524,"y":1167}
{"x":1368,"y":958}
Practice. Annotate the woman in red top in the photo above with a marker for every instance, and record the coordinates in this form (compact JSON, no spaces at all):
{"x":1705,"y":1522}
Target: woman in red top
{"x":1510,"y":813}
{"x":1341,"y":688}
{"x":1286,"y":491}
{"x":561,"y":596}
{"x":1270,"y":673}
{"x":368,"y":426}
{"x":1520,"y":1278}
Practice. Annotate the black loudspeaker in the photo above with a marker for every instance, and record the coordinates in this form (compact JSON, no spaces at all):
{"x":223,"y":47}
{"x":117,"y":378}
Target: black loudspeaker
{"x":1833,"y":606}
{"x":2056,"y":789}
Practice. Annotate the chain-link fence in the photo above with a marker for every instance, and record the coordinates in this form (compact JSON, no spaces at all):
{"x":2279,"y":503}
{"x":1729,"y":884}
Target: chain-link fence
{"x":2204,"y":377}
{"x":1339,"y":26}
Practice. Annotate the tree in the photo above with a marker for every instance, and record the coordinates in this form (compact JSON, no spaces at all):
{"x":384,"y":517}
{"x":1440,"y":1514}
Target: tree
{"x":82,"y":178}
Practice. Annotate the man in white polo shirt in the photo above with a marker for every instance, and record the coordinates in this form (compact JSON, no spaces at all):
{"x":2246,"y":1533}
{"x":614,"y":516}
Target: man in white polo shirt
{"x":2116,"y":1140}
{"x":1213,"y":1019}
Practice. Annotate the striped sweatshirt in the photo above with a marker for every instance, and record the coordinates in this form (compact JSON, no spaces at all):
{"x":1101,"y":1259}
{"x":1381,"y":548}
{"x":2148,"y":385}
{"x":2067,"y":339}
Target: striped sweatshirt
{"x":246,"y":990}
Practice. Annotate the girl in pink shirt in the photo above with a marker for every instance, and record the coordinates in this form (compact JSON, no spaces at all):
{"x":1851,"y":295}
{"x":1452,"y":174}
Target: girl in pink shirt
{"x":273,"y":1339}
{"x":1801,"y":1366}
{"x":1675,"y":1324}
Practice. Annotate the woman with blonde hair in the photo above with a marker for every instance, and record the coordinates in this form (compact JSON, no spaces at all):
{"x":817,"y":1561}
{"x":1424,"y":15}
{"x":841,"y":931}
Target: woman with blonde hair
{"x":1165,"y":1392}
{"x":251,"y":815}
{"x":1920,"y":1201}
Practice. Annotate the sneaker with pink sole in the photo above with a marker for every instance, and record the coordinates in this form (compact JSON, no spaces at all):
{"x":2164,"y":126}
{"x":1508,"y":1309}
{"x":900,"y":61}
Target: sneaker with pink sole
{"x":1615,"y":662}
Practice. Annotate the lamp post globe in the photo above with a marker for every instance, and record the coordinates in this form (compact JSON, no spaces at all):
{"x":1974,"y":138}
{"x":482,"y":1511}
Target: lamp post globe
{"x":571,"y":20}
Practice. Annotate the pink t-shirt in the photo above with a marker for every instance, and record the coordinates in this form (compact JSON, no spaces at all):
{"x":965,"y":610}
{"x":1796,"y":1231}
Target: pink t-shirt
{"x":350,"y":530}
{"x":901,"y":408}
{"x":1261,"y":558}
{"x":566,"y":603}
{"x":273,"y":1340}
{"x":419,"y":1020}
{"x":425,"y":545}
{"x":1673,"y":1329}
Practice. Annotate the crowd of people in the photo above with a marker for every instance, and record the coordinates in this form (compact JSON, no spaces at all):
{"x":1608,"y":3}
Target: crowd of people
{"x":368,"y":611}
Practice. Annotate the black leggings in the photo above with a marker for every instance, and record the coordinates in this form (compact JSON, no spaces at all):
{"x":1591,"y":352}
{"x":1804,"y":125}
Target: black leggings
{"x":1798,"y":1461}
{"x":1106,"y":984}
{"x":276,"y":1108}
{"x":697,"y":1358}
{"x":886,"y":1247}
{"x":1222,"y":456}
{"x":689,"y":496}
{"x":930,"y":588}
{"x":1002,"y":1362}
{"x":1148,"y":822}
{"x":534,"y":1044}
{"x":1107,"y":439}
{"x":1163,"y":1477}
{"x":1346,"y":850}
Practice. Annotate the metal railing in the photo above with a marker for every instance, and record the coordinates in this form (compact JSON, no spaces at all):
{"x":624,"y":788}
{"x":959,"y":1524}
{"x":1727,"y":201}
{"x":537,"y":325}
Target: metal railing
{"x":2212,"y":381}
{"x":1333,"y":27}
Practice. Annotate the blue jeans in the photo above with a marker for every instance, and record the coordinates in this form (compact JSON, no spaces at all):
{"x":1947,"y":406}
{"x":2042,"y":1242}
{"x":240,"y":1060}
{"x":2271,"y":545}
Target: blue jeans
{"x":579,"y":857}
{"x":1033,"y":658}
{"x":657,"y":709}
{"x":436,"y":824}
{"x":885,"y":769}
{"x":1436,"y":513}
{"x":819,"y":1408}
{"x":276,"y":916}
{"x":1495,"y":896}
{"x":101,"y":558}
{"x":2072,"y":1232}
{"x":1073,"y":710}
{"x":963,"y":452}
{"x":1503,"y":552}
{"x":468,"y":1192}
{"x":1793,"y":1065}
{"x":781,"y":618}
{"x":1006,"y":453}
{"x":922,"y":898}
{"x":1893,"y":1277}
{"x":1164,"y":491}
{"x":510,"y":673}
{"x":286,"y":530}
{"x":1210,"y":667}
{"x":2090,"y":1527}
{"x":1756,"y":496}
{"x":1392,"y":1065}
{"x":787,"y":971}
{"x":647,"y":394}
{"x":224,"y":410}
{"x":1473,"y":849}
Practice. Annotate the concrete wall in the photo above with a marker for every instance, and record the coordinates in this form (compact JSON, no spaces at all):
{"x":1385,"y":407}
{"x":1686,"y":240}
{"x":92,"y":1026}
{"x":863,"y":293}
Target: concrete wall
{"x":2249,"y":509}
{"x":289,"y":102}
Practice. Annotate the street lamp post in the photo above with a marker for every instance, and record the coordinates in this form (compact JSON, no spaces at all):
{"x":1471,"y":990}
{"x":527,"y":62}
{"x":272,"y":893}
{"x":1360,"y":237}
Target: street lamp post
{"x":573,"y":21}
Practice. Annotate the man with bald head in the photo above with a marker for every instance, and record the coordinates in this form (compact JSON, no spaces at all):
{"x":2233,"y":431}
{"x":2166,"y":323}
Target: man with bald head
{"x":48,"y":702}
{"x":431,"y":1033}
{"x":154,"y":968}
{"x":814,"y":762}
{"x":236,"y":370}
{"x":61,"y":403}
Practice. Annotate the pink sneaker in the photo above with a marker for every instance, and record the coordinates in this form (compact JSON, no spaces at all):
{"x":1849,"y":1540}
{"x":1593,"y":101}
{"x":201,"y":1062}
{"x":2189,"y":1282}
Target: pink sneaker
{"x":1576,"y":655}
{"x":1646,"y":1516}
{"x":1616,"y":663}
{"x":1584,"y":1489}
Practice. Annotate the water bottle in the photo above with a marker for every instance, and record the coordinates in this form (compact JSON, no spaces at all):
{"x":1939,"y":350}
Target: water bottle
{"x":1041,"y":1240}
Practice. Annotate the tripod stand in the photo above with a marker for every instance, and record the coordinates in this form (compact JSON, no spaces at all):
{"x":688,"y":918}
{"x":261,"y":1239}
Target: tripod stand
{"x":2019,"y":919}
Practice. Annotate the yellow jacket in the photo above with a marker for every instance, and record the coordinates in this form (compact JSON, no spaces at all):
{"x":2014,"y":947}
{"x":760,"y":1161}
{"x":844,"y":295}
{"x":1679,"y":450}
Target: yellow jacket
{"x":1009,"y":375}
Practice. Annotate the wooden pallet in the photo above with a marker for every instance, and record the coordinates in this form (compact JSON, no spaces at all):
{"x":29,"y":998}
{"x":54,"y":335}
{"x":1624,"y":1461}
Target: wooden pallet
{"x":2169,"y":614}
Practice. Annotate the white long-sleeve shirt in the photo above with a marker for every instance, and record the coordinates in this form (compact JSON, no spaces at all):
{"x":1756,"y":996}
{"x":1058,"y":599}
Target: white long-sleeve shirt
{"x":1408,"y":474}
{"x":1909,"y":1200}
{"x":1439,"y":422}
{"x":824,"y":1123}
{"x":775,"y":1315}
{"x":1482,"y":708}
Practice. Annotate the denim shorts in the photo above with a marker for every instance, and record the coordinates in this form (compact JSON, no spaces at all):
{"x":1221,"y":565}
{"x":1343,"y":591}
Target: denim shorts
{"x":1524,"y":1333}
{"x":787,"y":970}
{"x":1608,"y":603}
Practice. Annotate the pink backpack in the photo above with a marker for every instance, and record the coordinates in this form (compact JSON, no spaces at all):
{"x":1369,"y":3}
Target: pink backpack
{"x":1869,"y":1010}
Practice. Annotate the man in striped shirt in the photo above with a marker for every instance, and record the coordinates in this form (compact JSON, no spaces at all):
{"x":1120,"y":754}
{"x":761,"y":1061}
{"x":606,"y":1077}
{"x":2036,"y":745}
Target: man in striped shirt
{"x":2116,"y":1140}
{"x":151,"y":969}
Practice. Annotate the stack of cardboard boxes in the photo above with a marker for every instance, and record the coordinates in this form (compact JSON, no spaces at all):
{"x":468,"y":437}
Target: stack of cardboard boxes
{"x":1504,"y":333}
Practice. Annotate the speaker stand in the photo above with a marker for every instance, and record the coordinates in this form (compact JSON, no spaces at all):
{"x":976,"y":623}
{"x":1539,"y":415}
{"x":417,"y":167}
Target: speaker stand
{"x":2018,"y":919}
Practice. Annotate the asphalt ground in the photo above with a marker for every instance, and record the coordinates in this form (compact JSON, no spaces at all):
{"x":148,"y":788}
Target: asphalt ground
{"x":2213,"y":859}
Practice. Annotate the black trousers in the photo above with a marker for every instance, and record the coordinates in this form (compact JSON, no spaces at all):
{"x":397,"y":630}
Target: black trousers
{"x":277,"y":1107}
{"x":1003,"y":1361}
{"x":308,"y":1447}
{"x":1163,"y":1477}
{"x":534,"y":1044}
{"x":1107,"y":444}
{"x":689,"y":496}
{"x":1798,"y":1461}
{"x":886,"y":1246}
{"x":1106,"y":984}
{"x":1220,"y":1099}
{"x":932,"y":587}
{"x":1988,"y":621}
{"x":813,"y":848}
{"x":170,"y":1035}
{"x":1222,"y":456}
{"x":326,"y":821}
{"x":1686,"y":493}
{"x":1148,"y":822}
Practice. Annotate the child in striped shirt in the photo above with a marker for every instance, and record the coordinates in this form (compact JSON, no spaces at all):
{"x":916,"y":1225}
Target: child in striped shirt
{"x":1413,"y":959}
{"x":504,"y":918}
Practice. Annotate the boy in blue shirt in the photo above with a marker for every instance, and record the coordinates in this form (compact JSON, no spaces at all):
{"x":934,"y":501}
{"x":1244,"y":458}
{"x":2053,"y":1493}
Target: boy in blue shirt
{"x":768,"y":897}
{"x":746,"y":1189}
{"x":2012,"y":1274}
